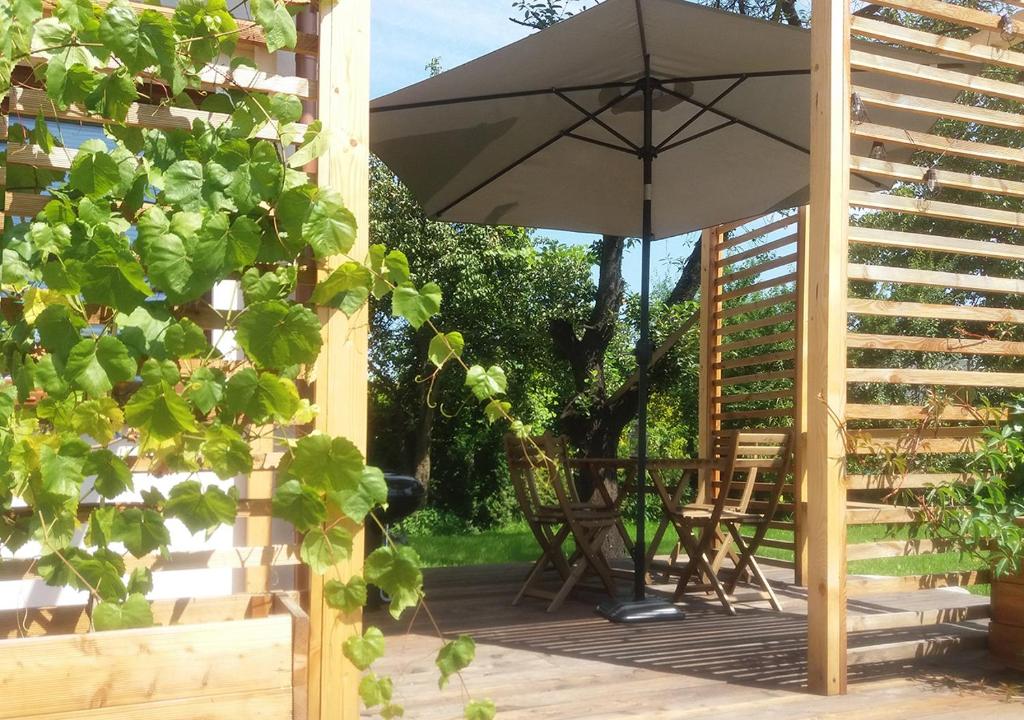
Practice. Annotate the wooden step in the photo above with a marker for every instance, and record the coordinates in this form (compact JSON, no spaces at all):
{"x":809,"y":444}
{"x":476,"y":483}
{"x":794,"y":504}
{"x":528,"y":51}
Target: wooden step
{"x":951,"y":639}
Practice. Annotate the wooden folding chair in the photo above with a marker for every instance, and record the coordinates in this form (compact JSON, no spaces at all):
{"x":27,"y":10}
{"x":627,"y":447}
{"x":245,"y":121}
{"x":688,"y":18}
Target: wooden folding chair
{"x":554,"y":512}
{"x":739,"y":496}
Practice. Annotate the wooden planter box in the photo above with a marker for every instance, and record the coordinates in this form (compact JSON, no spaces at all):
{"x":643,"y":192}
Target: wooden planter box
{"x":240,"y":669}
{"x":1006,"y":632}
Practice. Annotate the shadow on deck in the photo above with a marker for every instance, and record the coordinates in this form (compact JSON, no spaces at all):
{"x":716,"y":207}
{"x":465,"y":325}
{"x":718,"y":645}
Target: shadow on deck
{"x":534,"y":663}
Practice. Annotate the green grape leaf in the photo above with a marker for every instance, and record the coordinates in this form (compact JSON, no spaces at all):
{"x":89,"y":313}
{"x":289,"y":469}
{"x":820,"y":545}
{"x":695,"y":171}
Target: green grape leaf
{"x":94,"y":173}
{"x":277,"y":23}
{"x":113,"y":476}
{"x":226,"y":452}
{"x":299,"y":505}
{"x":99,"y":419}
{"x":322,"y":550}
{"x":480,"y":710}
{"x":485,"y":384}
{"x":205,"y":388}
{"x":396,"y":266}
{"x":453,"y":657}
{"x":416,"y":306}
{"x":362,"y":651}
{"x":100,"y":531}
{"x":61,"y":474}
{"x":242,"y":244}
{"x":141,"y":530}
{"x":143,"y":330}
{"x":345,"y":596}
{"x":375,"y":691}
{"x":277,"y":334}
{"x":444,"y":346}
{"x":356,"y":503}
{"x":347,"y":288}
{"x":183,"y":184}
{"x":135,"y":612}
{"x":325,"y":464}
{"x":261,"y":397}
{"x":140,"y":582}
{"x":111,"y":96}
{"x":185,"y":339}
{"x":160,"y":414}
{"x":201,"y":509}
{"x":330,"y":228}
{"x":497,"y":410}
{"x":396,"y":571}
{"x":94,"y":366}
{"x":314,"y":144}
{"x":58,"y":332}
{"x":277,"y":284}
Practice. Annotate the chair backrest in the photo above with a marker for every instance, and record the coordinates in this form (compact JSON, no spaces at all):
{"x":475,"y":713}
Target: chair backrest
{"x":755,"y":469}
{"x":538,"y":467}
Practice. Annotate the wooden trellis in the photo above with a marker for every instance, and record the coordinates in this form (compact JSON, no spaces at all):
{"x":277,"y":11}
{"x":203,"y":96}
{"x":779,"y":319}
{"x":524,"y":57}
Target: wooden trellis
{"x":275,"y":658}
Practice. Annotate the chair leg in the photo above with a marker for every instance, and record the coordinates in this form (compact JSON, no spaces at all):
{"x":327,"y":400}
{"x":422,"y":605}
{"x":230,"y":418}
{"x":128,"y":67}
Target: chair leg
{"x":747,"y":561}
{"x":699,"y":553}
{"x":552,"y":553}
{"x":578,"y":570}
{"x":596,"y":559}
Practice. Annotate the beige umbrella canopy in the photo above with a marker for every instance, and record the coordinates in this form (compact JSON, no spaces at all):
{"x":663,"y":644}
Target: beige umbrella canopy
{"x":547,"y":132}
{"x":645,"y":118}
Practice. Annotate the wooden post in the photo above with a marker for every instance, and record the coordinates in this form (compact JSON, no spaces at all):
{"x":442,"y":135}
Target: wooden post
{"x":800,"y":402}
{"x":708,"y":425}
{"x":827,"y":255}
{"x":343,"y":92}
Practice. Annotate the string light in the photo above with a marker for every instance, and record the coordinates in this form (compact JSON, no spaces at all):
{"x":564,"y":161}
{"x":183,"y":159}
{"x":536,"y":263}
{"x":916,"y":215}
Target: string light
{"x":1007,"y":27}
{"x":877,"y":151}
{"x":931,"y":180}
{"x":858,"y":113}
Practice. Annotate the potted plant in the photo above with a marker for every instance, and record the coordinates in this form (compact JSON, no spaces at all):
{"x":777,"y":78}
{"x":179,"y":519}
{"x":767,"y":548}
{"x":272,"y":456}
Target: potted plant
{"x":984,"y":519}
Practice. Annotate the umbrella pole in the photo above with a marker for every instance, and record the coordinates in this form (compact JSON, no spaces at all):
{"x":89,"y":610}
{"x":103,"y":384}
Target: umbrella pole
{"x":641,"y":609}
{"x":643,"y":349}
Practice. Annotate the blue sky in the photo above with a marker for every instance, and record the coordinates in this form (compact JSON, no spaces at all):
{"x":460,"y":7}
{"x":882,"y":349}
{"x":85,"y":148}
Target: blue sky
{"x":407,"y":34}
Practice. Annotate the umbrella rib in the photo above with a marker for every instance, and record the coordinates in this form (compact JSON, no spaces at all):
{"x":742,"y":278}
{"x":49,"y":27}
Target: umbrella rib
{"x":702,"y":133}
{"x":735,"y":76}
{"x":540,"y":148}
{"x":502,"y":96}
{"x":599,"y":121}
{"x":601,"y":143}
{"x":664,"y":144}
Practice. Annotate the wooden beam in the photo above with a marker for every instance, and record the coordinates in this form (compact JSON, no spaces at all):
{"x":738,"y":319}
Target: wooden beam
{"x":341,"y":372}
{"x":827,"y":253}
{"x":710,"y":355}
{"x":801,"y":402}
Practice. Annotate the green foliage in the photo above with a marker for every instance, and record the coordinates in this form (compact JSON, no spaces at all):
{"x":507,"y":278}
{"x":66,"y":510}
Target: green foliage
{"x":453,"y":657}
{"x":363,"y":650}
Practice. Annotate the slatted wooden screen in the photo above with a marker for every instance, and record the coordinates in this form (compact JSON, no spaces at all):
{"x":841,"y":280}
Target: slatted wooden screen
{"x":750,"y":333}
{"x":935,"y":304}
{"x":263,"y":557}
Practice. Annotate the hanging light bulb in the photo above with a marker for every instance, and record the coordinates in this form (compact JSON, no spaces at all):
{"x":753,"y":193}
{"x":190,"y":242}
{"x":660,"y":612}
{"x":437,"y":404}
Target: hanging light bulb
{"x":931,"y":180}
{"x":877,"y":151}
{"x":858,"y":113}
{"x":1007,"y":27}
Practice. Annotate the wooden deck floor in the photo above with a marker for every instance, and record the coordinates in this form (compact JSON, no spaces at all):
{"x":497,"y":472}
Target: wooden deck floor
{"x":573,"y":664}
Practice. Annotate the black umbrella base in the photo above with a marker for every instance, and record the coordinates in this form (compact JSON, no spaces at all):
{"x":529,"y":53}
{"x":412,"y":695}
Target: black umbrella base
{"x":639,"y":611}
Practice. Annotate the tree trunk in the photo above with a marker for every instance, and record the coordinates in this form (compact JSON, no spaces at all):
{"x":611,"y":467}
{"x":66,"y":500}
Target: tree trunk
{"x":425,"y":413}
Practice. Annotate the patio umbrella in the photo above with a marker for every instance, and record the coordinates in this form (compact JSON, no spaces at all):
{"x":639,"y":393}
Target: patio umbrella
{"x":643,"y":118}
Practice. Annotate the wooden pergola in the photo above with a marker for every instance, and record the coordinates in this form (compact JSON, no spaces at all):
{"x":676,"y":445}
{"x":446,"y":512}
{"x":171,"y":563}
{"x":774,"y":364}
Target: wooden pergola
{"x":805,"y":265}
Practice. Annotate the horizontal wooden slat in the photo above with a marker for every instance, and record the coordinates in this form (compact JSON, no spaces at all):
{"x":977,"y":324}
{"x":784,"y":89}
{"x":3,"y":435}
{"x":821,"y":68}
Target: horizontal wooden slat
{"x":754,"y":414}
{"x":69,"y":619}
{"x":938,"y":143}
{"x":910,"y":481}
{"x":251,"y":705}
{"x":754,"y":342}
{"x":935,"y":278}
{"x":966,"y":346}
{"x":916,"y":618}
{"x":919,"y":241}
{"x":757,"y":287}
{"x":940,"y":10}
{"x":756,"y":251}
{"x":771,"y":227}
{"x":916,"y":72}
{"x":915,"y":376}
{"x":743,"y":308}
{"x":863,"y":585}
{"x":754,"y":397}
{"x":755,"y":360}
{"x":756,"y":270}
{"x":889,"y":308}
{"x":943,"y":440}
{"x":949,"y":413}
{"x":769,"y":321}
{"x":103,"y":670}
{"x":233,"y":558}
{"x":932,"y":108}
{"x":897,"y":548}
{"x":32,"y":102}
{"x":948,"y":46}
{"x":957,"y":641}
{"x":866,"y":514}
{"x":25,"y":204}
{"x":757,"y":377}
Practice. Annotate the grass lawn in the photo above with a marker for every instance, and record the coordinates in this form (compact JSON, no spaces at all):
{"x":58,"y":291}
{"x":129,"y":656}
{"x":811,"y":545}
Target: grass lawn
{"x":515,"y":543}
